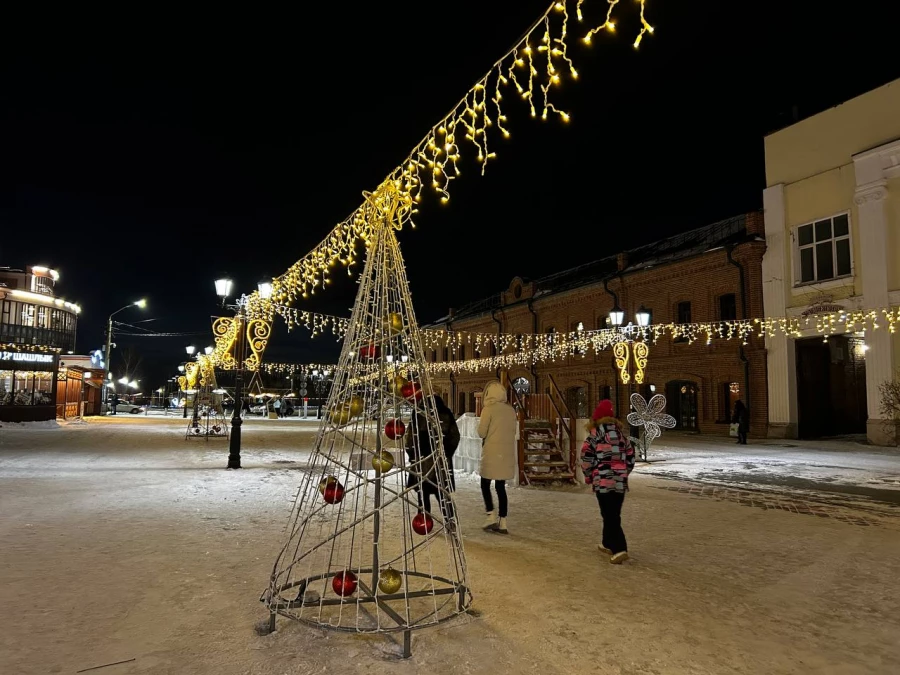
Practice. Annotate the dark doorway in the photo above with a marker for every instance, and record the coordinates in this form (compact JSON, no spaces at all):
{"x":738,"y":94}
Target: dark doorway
{"x":681,"y":404}
{"x":831,"y":387}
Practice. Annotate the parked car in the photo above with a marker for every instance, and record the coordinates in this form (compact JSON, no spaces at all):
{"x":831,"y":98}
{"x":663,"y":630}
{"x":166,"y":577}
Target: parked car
{"x":124,"y":406}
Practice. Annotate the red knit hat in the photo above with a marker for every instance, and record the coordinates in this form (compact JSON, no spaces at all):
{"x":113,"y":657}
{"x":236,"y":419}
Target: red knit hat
{"x":603,"y":409}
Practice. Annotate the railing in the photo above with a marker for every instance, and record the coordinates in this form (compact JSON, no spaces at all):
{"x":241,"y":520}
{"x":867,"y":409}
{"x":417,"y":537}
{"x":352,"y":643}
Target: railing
{"x":565,"y":421}
{"x":550,"y":407}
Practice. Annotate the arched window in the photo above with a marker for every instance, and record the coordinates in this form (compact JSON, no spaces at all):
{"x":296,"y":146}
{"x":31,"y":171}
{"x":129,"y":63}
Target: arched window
{"x":522,"y":386}
{"x":551,"y":336}
{"x":577,"y":401}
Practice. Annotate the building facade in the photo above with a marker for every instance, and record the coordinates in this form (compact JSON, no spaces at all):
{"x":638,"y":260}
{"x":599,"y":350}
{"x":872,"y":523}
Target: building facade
{"x":708,"y":274}
{"x":832,"y":215}
{"x":35,"y":328}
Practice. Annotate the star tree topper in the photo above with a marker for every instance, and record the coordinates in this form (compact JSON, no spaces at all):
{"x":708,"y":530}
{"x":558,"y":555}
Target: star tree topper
{"x":651,"y":417}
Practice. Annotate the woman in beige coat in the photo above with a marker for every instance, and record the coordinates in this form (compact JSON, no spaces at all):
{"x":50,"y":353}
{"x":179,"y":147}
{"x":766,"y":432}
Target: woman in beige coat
{"x":498,"y":452}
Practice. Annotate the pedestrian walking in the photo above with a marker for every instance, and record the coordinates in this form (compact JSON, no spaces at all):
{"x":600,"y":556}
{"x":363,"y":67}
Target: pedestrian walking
{"x":450,"y":432}
{"x":607,"y":459}
{"x":277,"y":406}
{"x":497,"y":428}
{"x":741,"y":417}
{"x":423,"y":474}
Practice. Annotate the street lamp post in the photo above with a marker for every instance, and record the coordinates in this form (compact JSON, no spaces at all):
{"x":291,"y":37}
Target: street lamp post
{"x":190,"y":352}
{"x":616,"y":319}
{"x":142,"y":303}
{"x":223,"y":290}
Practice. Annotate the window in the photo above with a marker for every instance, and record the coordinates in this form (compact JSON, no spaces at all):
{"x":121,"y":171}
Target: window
{"x":577,"y":401}
{"x":683,"y":315}
{"x":823,"y":249}
{"x":445,"y":355}
{"x":727,"y":307}
{"x":576,"y":328}
{"x":462,"y":352}
{"x":551,"y":336}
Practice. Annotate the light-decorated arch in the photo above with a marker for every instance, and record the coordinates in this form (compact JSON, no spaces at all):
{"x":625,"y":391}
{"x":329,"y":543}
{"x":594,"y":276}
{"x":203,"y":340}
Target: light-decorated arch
{"x":530,"y":71}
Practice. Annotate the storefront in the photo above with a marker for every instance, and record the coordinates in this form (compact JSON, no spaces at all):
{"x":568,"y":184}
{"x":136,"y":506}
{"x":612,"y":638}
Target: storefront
{"x":27,"y":383}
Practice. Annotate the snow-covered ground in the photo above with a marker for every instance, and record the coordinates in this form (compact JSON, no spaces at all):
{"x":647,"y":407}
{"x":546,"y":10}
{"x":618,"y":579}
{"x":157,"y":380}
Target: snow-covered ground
{"x":833,"y":466}
{"x":121,"y":541}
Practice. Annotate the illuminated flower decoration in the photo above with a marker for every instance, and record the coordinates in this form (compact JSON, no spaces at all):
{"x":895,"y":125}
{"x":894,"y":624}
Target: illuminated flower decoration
{"x":651,"y":417}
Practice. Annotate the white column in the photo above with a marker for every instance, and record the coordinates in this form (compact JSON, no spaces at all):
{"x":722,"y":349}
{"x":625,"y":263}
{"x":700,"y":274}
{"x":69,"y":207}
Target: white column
{"x":871,"y":201}
{"x":781,"y":355}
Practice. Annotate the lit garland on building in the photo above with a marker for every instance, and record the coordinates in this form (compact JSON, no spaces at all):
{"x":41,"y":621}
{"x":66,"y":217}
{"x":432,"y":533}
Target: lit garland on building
{"x":508,"y":350}
{"x":17,"y":347}
{"x":536,"y":65}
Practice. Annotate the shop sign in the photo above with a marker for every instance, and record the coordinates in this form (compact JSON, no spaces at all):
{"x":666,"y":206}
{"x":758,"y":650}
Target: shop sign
{"x":30,"y":358}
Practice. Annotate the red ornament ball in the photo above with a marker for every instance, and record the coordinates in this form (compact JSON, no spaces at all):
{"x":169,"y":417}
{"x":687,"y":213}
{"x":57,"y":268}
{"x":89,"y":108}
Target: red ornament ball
{"x":370,"y":351}
{"x":423,"y":523}
{"x":412,"y":390}
{"x":344,"y":583}
{"x":333,"y":493}
{"x":394,"y":429}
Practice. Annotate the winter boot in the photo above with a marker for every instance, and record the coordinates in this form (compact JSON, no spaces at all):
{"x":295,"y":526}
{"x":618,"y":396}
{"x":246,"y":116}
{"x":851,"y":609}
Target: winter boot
{"x":501,"y":527}
{"x":619,"y":558}
{"x":490,"y":521}
{"x":603,"y":549}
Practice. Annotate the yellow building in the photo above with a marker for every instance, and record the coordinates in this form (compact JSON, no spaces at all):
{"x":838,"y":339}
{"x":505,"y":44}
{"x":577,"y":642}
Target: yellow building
{"x":832,"y":211}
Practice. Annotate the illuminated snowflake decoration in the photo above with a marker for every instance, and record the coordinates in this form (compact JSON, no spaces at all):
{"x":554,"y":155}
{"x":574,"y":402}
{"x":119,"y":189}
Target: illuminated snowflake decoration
{"x":649,"y":415}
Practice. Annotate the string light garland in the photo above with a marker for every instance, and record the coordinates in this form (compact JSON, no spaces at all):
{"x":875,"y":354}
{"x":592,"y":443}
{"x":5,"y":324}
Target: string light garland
{"x":507,"y":350}
{"x":534,"y":66}
{"x":17,"y":348}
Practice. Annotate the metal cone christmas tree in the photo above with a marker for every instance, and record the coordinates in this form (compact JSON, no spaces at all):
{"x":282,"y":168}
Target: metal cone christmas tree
{"x":372,"y":544}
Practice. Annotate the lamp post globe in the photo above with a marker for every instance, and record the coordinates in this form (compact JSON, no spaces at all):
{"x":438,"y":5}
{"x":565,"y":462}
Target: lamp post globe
{"x":616,"y":316}
{"x":643,"y":317}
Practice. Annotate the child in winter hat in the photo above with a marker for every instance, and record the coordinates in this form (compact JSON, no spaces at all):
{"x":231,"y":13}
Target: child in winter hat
{"x":604,"y":409}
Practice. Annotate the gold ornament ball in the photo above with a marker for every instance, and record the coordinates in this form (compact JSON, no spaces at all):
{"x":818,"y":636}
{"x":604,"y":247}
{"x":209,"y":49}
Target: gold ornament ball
{"x":399,"y":383}
{"x":389,"y":581}
{"x":383,"y":461}
{"x":356,"y":405}
{"x":342,"y":414}
{"x":393,"y":324}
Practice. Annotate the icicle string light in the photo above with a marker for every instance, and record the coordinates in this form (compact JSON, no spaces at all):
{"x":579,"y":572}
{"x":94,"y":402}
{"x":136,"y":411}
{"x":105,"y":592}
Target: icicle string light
{"x":493,"y":350}
{"x":433,"y":162}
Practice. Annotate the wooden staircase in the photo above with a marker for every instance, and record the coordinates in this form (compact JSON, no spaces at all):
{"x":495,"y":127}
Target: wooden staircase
{"x":544,"y":459}
{"x":546,"y":437}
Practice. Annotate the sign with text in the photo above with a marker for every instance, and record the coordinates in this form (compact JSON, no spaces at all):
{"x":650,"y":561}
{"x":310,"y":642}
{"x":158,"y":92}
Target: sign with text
{"x":30,"y":358}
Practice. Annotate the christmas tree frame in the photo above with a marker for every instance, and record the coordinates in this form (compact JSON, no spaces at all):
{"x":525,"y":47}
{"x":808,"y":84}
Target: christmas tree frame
{"x":373,"y":543}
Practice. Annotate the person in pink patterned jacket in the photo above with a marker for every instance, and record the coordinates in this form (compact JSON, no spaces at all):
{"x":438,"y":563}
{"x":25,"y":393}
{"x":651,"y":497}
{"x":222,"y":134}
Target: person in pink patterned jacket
{"x":607,"y":459}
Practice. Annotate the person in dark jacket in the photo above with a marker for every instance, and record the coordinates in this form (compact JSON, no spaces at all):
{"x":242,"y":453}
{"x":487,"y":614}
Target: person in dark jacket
{"x":424,"y":475}
{"x":741,"y":417}
{"x":450,"y":432}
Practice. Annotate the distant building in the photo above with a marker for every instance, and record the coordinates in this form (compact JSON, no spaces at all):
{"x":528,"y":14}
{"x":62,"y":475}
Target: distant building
{"x":832,"y":214}
{"x":708,"y":274}
{"x":35,"y":328}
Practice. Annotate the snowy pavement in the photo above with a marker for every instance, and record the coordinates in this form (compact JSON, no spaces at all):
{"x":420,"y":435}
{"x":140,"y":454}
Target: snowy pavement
{"x":847,"y":468}
{"x":121,"y":541}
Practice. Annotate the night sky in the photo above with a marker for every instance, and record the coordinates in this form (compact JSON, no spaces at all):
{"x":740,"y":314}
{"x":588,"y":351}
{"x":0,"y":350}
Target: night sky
{"x":145,"y":155}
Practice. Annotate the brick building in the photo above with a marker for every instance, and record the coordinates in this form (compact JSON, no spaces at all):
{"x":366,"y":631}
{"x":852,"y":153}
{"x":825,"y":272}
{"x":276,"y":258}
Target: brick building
{"x":708,"y":274}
